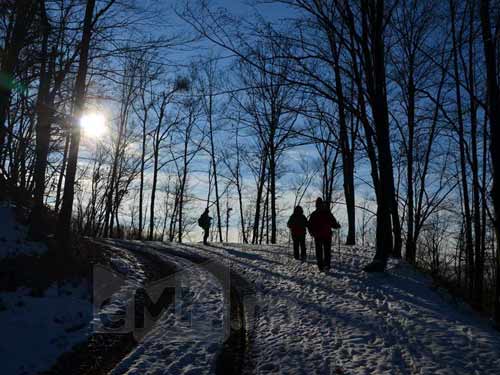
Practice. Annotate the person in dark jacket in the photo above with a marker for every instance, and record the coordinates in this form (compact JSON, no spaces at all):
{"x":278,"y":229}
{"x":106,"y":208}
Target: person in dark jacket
{"x":320,"y":225}
{"x":205,"y":221}
{"x":298,"y":224}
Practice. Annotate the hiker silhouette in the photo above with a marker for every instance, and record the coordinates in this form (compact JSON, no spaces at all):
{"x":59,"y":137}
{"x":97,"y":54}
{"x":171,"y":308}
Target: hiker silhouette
{"x":320,"y":225}
{"x":205,"y":221}
{"x":298,"y":224}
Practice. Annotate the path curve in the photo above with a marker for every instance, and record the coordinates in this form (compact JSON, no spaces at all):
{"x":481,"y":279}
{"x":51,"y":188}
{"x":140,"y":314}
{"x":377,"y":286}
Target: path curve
{"x":223,"y":354}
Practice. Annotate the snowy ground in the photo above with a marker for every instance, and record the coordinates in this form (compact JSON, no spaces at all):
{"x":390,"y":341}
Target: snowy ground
{"x":188,"y":335}
{"x":13,"y":236}
{"x":342,"y":322}
{"x":36,"y":330}
{"x":114,"y":288}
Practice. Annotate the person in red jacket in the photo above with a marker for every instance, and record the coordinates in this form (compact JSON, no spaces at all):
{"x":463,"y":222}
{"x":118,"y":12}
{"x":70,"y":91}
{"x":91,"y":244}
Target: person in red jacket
{"x":320,"y":225}
{"x":298,"y":224}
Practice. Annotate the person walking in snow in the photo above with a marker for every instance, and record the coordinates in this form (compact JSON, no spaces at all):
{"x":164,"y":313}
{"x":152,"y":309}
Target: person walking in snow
{"x":320,"y":225}
{"x":298,"y":224}
{"x":205,"y":221}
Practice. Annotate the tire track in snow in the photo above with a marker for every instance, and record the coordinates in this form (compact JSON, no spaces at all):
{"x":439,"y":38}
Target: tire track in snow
{"x":181,"y":342}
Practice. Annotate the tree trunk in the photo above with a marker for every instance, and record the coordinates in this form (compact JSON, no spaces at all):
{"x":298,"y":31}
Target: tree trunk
{"x":374,"y":52}
{"x":108,"y":217}
{"x":141,"y":186}
{"x":347,"y":150}
{"x":258,"y":201}
{"x":69,"y":183}
{"x":214,"y":167}
{"x":183,"y":187}
{"x":349,"y":193}
{"x":476,"y":200}
{"x":463,"y":166}
{"x":62,"y":172}
{"x":242,"y":217}
{"x":396,"y":224}
{"x":24,"y":14}
{"x":265,"y":220}
{"x":239,"y":190}
{"x":173,"y":218}
{"x":42,"y":131}
{"x":272,"y":188}
{"x":493,"y":90}
{"x":167,"y":199}
{"x":153,"y":193}
{"x":411,"y":246}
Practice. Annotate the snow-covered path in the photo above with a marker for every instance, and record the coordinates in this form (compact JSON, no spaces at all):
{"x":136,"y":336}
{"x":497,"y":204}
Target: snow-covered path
{"x":186,"y":338}
{"x":354,"y":323}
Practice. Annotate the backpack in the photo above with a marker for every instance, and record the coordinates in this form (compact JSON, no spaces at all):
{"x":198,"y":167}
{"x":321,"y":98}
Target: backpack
{"x":204,"y":221}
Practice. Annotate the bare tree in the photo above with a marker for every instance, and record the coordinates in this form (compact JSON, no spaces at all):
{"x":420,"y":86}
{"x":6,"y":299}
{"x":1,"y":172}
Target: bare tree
{"x":160,"y":133}
{"x":208,"y":87}
{"x":67,"y":204}
{"x":129,"y":88}
{"x":191,"y":143}
{"x":143,"y":109}
{"x":232,"y":160}
{"x":271,"y":102}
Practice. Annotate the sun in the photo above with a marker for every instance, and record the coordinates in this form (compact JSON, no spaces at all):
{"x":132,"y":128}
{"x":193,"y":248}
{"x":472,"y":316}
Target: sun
{"x":93,"y":124}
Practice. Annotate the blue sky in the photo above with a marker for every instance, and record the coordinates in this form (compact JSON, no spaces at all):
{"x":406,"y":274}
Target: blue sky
{"x":199,"y":169}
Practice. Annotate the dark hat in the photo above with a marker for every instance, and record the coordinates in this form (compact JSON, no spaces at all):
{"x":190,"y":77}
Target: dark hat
{"x":298,"y":210}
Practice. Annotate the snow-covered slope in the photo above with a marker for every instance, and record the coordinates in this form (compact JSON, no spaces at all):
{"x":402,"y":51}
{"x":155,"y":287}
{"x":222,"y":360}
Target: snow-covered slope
{"x":355,"y":323}
{"x":36,"y":330}
{"x":13,"y":236}
{"x":39,"y":326}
